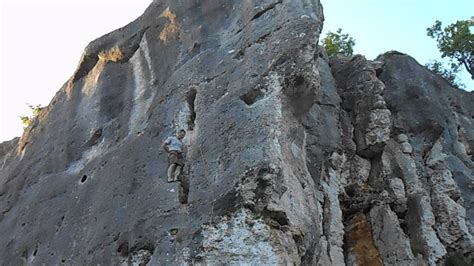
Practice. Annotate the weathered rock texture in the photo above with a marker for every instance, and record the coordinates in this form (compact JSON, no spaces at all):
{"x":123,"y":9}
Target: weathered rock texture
{"x":291,"y":158}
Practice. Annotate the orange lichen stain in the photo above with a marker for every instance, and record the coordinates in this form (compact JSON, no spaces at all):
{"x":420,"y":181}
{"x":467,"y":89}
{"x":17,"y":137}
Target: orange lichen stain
{"x":360,"y":242}
{"x":171,"y":28}
{"x":92,"y":78}
{"x":23,"y":142}
{"x":69,"y":88}
{"x":366,"y":187}
{"x":113,"y":55}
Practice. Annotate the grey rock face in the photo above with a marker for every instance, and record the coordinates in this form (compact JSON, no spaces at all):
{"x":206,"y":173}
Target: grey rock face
{"x":7,"y":149}
{"x":362,"y":92}
{"x":392,"y":243}
{"x":88,"y":183}
{"x":291,"y":158}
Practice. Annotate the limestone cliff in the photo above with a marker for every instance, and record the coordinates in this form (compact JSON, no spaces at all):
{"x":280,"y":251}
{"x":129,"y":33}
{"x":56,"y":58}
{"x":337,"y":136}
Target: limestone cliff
{"x":291,"y":158}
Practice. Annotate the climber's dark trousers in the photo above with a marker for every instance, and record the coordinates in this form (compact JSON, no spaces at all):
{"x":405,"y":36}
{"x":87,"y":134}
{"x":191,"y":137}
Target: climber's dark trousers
{"x":176,"y":165}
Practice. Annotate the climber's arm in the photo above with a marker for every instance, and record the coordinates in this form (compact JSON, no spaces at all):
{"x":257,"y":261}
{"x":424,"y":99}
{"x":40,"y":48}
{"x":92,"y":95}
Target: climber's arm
{"x":165,"y":145}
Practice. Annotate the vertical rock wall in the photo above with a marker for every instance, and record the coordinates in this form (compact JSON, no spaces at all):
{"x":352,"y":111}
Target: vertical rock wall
{"x":87,"y":183}
{"x":397,"y":181}
{"x":291,"y":158}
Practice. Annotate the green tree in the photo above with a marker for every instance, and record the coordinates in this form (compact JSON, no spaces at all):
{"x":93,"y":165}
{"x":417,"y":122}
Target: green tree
{"x":338,"y":43}
{"x":449,"y":75}
{"x":455,"y":42}
{"x":27,"y":120}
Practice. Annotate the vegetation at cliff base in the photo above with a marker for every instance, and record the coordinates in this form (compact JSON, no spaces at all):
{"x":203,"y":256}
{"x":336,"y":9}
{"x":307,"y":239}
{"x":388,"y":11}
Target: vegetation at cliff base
{"x":338,"y":43}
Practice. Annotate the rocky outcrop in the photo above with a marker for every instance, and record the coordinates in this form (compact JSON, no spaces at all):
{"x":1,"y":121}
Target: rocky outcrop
{"x":291,"y":158}
{"x":7,"y":150}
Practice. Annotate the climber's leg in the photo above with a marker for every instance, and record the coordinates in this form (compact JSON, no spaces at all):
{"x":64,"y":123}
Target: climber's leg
{"x":179,"y":166}
{"x":173,"y":162}
{"x":177,"y":172}
{"x":171,"y":170}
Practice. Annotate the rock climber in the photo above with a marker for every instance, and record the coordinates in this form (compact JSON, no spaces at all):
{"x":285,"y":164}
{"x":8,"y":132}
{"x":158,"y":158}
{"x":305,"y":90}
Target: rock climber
{"x":174,"y":147}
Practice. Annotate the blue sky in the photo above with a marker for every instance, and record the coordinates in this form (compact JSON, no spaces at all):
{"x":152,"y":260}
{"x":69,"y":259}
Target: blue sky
{"x":42,"y":40}
{"x":383,"y":25}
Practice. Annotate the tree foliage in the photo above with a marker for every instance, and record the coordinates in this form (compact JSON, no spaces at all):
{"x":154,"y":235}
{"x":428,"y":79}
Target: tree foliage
{"x":338,"y":43}
{"x":28,"y":120}
{"x":455,"y":42}
{"x":449,"y":75}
